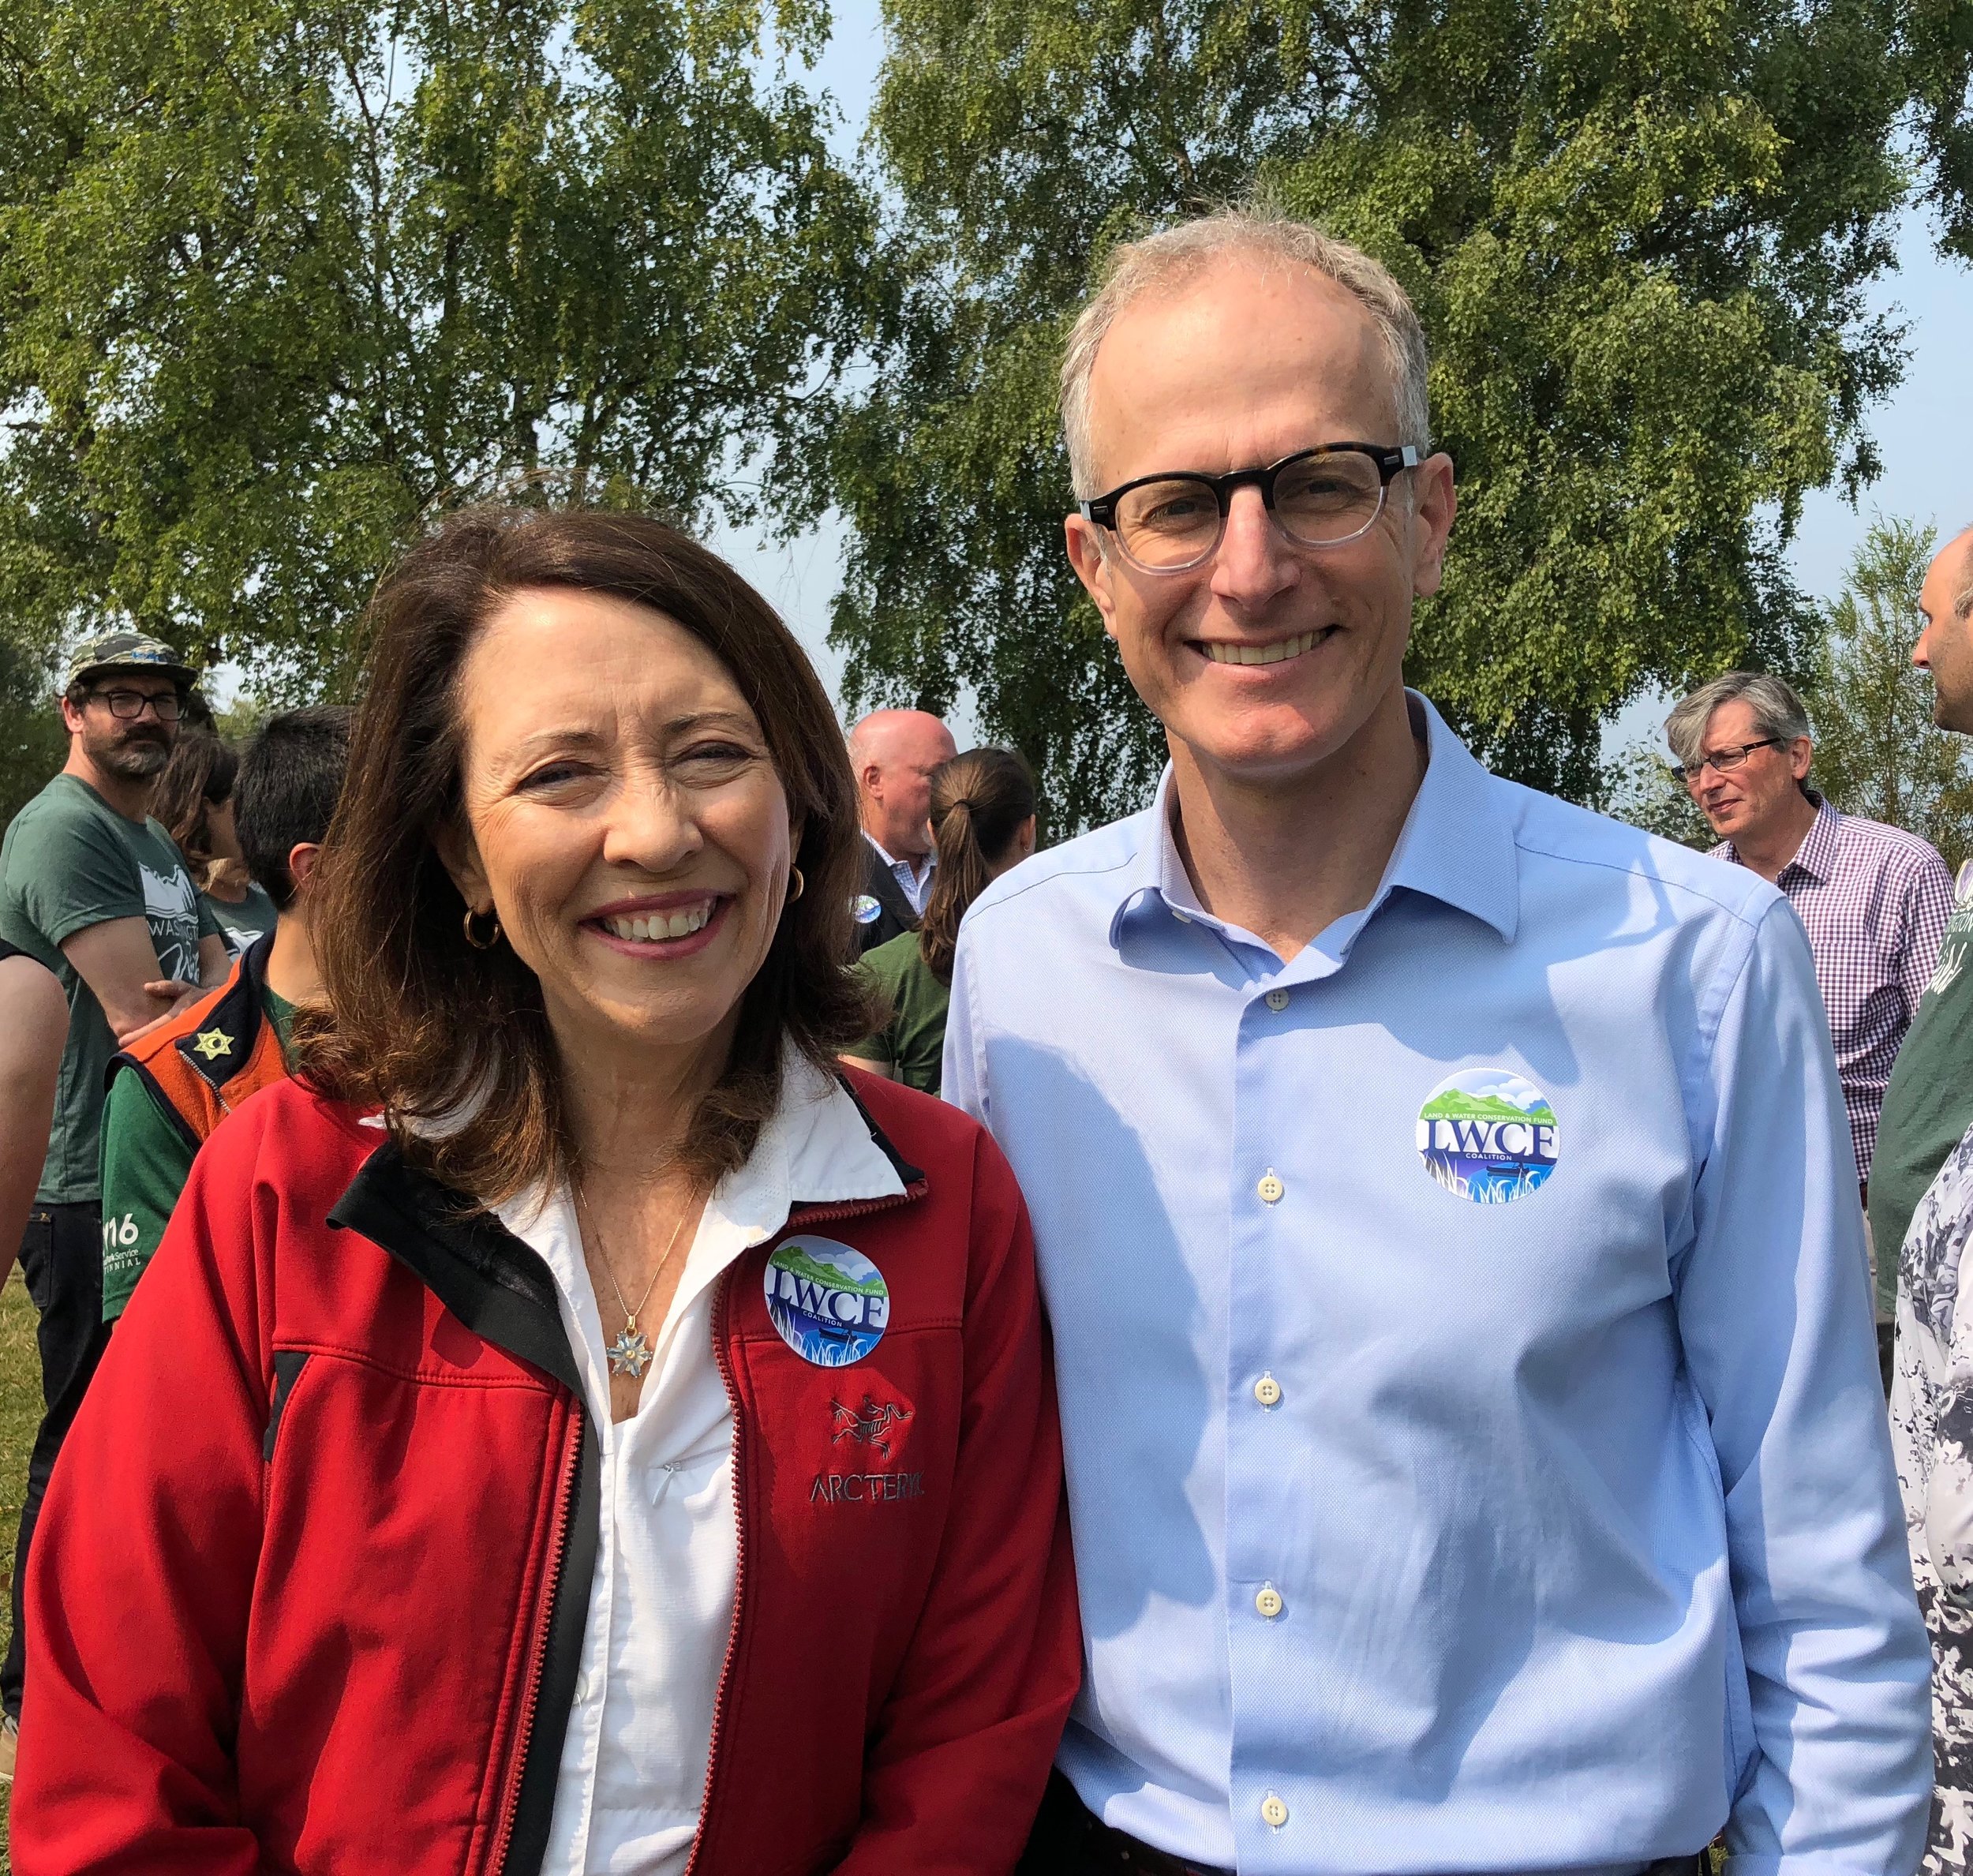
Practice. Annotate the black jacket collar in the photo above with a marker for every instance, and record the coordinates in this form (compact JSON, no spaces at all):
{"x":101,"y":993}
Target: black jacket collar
{"x":237,"y":1017}
{"x":495,"y":1284}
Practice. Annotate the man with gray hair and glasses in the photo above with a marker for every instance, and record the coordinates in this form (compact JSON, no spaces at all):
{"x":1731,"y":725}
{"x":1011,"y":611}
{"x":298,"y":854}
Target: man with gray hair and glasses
{"x":1474,"y":1447}
{"x":1872,"y":898}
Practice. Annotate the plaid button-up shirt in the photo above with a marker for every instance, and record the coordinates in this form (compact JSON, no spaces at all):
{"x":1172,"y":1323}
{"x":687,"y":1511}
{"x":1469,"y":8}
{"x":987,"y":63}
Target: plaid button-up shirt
{"x":1873,"y":901}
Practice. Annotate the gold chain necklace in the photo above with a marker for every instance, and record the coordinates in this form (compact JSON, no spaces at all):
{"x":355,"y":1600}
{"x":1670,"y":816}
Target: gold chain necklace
{"x":630,"y":1354}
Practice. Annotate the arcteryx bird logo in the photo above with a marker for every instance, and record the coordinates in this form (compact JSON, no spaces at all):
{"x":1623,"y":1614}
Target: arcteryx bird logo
{"x":1488,"y":1136}
{"x":869,"y":1425}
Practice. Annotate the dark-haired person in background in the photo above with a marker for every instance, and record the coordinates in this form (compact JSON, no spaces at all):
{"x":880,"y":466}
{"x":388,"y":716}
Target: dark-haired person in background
{"x":195,"y":802}
{"x":404,"y":1530}
{"x":170,"y":1089}
{"x":982,"y":816}
{"x":92,"y":887}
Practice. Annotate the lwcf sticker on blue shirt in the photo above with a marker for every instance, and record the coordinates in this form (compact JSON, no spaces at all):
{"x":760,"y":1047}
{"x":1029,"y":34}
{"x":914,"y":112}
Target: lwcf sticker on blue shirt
{"x":830,"y":1303}
{"x":1488,"y":1134}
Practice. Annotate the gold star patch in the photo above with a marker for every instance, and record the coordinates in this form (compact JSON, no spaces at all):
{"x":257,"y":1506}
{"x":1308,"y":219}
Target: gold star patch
{"x":212,"y":1043}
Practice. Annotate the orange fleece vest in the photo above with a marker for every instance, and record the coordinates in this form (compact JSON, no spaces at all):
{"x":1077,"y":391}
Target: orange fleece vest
{"x":211,"y":1056}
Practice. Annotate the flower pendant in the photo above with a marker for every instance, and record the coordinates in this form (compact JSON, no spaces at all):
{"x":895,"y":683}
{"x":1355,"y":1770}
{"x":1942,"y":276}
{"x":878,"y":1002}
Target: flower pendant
{"x":630,"y":1354}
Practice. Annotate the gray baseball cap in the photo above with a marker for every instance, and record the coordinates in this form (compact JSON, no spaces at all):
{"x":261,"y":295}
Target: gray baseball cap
{"x":126,"y":651}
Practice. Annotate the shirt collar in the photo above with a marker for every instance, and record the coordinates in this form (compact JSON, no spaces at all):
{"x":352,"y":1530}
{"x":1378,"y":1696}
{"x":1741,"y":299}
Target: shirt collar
{"x":918,"y":871}
{"x":1456,"y":845}
{"x":817,"y":1148}
{"x":1816,"y":856}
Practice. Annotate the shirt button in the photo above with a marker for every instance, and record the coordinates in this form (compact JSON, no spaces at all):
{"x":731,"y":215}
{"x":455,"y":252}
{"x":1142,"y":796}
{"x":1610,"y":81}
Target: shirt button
{"x":1184,"y":918}
{"x":1269,"y":1602}
{"x":1273,"y":1814}
{"x":1267,"y":1391}
{"x":1271,"y":1189}
{"x":1277,"y":999}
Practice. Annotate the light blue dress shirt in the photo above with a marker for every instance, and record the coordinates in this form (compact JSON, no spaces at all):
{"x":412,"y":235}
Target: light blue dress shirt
{"x":1530,"y":1510}
{"x":916,"y":886}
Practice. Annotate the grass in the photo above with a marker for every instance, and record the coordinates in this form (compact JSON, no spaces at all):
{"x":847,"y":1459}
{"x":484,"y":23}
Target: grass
{"x":20,"y":1414}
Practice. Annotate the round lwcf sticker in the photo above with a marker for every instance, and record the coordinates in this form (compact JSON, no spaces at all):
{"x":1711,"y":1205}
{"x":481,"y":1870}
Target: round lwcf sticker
{"x":1488,"y":1136}
{"x":829,"y":1302}
{"x":865,"y":910}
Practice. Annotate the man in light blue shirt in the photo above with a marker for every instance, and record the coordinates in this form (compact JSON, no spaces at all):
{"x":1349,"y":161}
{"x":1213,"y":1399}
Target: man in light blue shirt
{"x":1444,"y":1204}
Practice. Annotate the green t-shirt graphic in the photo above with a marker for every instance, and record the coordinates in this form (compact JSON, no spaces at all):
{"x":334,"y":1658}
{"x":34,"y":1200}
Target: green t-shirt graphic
{"x":241,"y":924}
{"x":70,"y":861}
{"x":1929,"y":1103}
{"x":912,"y":1044}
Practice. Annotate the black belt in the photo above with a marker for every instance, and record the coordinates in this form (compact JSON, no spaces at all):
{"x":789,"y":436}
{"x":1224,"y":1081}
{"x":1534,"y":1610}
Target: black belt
{"x":1069,"y":1840}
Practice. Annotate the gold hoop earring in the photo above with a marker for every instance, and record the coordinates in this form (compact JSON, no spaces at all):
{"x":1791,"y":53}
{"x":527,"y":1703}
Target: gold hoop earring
{"x":797,"y":886}
{"x":492,"y":939}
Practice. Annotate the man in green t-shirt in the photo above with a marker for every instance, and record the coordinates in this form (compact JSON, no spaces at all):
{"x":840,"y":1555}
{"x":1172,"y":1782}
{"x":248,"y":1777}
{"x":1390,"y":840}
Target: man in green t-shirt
{"x":92,"y":887}
{"x":1928,"y":1105}
{"x":286,"y":791}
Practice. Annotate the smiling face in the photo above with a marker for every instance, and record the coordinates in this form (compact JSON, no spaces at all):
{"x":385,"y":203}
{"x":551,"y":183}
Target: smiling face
{"x":623,"y":819}
{"x":1268,"y":660}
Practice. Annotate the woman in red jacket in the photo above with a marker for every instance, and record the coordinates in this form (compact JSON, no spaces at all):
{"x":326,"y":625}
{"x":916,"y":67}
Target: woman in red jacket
{"x":571,"y":1427}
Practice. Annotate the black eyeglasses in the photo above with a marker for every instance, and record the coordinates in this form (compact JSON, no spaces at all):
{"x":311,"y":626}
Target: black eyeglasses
{"x":128,"y":706}
{"x":1317,"y":498}
{"x":1724,"y":761}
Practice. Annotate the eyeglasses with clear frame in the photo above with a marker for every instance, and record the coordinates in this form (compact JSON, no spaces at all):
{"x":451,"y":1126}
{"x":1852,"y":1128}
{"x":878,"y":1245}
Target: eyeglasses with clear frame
{"x":126,"y":706}
{"x":1723,"y":762}
{"x":1321,"y":497}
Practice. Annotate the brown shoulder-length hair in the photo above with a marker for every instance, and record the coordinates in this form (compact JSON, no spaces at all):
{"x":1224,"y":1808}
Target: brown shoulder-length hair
{"x":979,"y":800}
{"x":199,"y":776}
{"x":418,"y":1020}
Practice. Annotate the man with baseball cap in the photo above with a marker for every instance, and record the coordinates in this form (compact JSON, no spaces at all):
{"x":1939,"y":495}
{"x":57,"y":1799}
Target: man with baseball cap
{"x":92,"y":887}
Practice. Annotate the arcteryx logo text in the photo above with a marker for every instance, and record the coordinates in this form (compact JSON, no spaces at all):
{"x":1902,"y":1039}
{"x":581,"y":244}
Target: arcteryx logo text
{"x":865,"y":1488}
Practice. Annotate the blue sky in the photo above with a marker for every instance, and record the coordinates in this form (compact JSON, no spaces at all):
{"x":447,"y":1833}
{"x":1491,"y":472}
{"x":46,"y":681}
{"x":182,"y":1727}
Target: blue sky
{"x":1924,"y":430}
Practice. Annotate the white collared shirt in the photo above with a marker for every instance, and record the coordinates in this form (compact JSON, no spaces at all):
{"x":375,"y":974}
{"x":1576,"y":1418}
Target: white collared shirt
{"x":914,"y":882}
{"x":634,"y":1760}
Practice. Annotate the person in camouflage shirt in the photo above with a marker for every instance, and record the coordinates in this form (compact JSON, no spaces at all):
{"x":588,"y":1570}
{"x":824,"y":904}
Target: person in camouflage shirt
{"x":1932,"y":1434}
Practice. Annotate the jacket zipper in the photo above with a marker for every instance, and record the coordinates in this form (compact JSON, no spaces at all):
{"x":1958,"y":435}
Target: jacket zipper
{"x":557,"y":1539}
{"x":805,"y":1216}
{"x":739,"y":1562}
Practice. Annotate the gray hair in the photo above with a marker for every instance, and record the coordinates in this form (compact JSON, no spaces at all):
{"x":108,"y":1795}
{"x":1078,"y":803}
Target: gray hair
{"x":1777,"y":712}
{"x":1179,"y":255}
{"x":1963,"y":600}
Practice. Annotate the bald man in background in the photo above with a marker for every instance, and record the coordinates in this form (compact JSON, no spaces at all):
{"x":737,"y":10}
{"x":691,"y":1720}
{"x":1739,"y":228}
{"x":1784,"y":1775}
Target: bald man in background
{"x":1928,"y":1105}
{"x":893,"y":753}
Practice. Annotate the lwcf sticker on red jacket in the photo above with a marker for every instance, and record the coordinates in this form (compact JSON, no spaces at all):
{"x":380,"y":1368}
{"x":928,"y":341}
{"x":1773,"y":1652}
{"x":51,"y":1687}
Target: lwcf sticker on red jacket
{"x":827,"y":1301}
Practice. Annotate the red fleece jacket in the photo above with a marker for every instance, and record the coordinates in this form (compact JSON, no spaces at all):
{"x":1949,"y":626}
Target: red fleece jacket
{"x":309,"y":1588}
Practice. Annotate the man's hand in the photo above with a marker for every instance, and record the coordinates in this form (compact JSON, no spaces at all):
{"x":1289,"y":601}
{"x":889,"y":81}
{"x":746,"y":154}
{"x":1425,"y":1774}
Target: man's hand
{"x":174,"y":992}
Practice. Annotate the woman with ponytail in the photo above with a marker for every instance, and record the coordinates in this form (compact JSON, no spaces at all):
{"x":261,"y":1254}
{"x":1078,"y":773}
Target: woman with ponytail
{"x":983,"y":820}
